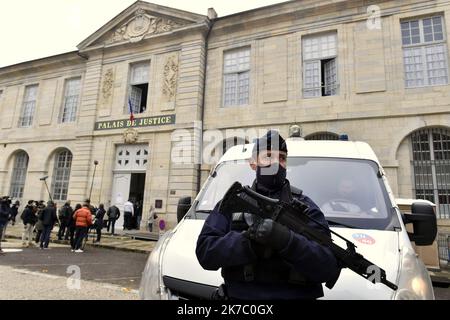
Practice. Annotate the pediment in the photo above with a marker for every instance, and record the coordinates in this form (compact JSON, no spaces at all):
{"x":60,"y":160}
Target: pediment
{"x":140,"y":20}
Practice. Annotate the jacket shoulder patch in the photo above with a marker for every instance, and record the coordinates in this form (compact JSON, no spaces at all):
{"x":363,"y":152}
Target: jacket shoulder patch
{"x":296,"y":191}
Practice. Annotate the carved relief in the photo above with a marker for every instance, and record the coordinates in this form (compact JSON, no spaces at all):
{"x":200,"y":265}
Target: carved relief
{"x":140,"y":25}
{"x":108,"y":82}
{"x":130,"y":136}
{"x":170,"y":78}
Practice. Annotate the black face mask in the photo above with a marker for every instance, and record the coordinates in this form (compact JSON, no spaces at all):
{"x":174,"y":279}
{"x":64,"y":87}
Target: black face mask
{"x":271,"y":182}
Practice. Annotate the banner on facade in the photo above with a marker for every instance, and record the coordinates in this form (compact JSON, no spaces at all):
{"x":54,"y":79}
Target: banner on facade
{"x":136,"y":123}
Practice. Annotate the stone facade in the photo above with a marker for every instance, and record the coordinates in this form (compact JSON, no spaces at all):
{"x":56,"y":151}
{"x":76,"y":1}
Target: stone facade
{"x":372,"y":103}
{"x":173,"y":42}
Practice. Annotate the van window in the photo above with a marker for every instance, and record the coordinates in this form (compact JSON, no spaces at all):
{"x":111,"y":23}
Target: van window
{"x":348,"y":191}
{"x":226,"y":174}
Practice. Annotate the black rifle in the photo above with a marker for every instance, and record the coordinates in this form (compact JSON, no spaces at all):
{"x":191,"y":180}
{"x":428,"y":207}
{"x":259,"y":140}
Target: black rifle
{"x":294,"y":216}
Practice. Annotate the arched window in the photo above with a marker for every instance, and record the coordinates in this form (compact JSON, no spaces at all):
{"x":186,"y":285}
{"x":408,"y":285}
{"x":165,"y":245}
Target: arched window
{"x":431,"y":167}
{"x":322,"y":136}
{"x":61,"y":175}
{"x":19,"y":174}
{"x":227,"y":144}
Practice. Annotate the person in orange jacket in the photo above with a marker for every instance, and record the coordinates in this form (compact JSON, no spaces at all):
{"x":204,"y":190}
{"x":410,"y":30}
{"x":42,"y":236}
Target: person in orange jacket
{"x":83,"y":220}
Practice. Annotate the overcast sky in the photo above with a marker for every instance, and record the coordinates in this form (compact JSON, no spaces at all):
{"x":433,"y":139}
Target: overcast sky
{"x":33,"y":29}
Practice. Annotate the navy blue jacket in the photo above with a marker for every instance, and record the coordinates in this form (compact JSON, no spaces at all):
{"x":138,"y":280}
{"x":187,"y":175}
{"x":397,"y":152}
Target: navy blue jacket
{"x":48,"y":216}
{"x":14,"y":211}
{"x":99,"y":216}
{"x":5,"y":212}
{"x":28,"y":216}
{"x":218,"y":247}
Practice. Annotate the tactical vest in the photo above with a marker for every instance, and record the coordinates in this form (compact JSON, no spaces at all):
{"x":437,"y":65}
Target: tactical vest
{"x":269,"y":268}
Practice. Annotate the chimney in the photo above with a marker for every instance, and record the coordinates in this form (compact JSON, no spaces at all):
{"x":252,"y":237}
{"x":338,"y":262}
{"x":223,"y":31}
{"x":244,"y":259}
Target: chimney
{"x":212,"y":14}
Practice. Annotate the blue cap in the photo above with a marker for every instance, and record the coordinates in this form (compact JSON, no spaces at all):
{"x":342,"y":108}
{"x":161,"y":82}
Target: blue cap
{"x":265,"y":142}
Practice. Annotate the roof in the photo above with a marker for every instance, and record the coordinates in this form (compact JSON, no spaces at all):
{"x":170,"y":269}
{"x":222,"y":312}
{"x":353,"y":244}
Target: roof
{"x":409,"y":202}
{"x":131,"y":11}
{"x":60,"y":58}
{"x":318,"y":149}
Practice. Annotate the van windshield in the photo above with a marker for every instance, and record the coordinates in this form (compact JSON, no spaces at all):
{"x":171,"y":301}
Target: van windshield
{"x":348,"y":191}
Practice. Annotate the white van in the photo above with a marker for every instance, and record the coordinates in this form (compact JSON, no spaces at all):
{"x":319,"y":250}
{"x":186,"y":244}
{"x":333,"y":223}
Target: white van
{"x":373,"y":222}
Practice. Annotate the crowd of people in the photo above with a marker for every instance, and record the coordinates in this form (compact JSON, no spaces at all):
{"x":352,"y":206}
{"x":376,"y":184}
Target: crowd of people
{"x":40,"y":218}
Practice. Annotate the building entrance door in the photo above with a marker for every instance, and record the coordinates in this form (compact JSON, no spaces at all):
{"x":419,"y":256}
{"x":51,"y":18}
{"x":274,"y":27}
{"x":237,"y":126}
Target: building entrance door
{"x":129,"y":176}
{"x":120,"y":194}
{"x":137,"y":186}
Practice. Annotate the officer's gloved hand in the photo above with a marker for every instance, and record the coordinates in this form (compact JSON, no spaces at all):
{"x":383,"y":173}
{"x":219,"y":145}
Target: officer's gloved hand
{"x":229,"y":204}
{"x":269,"y":233}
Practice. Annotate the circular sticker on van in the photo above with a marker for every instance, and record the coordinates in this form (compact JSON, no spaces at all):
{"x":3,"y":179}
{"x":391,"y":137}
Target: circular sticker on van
{"x":364,"y":238}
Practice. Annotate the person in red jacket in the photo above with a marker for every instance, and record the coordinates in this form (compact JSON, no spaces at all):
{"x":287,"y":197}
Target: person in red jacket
{"x":83,"y":220}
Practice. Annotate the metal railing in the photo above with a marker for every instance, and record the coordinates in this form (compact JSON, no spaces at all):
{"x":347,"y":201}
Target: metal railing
{"x":431,"y":165}
{"x":444,"y":246}
{"x":321,"y":91}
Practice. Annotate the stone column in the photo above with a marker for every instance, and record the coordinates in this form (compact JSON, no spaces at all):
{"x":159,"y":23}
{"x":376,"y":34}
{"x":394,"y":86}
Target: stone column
{"x":82,"y":163}
{"x":183,"y":177}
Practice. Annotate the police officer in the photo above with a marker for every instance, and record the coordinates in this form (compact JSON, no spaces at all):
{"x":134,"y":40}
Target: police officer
{"x":262,"y":259}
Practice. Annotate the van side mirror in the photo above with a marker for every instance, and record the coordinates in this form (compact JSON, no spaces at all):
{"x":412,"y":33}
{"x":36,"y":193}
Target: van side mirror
{"x":184,"y":204}
{"x":424,"y":223}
